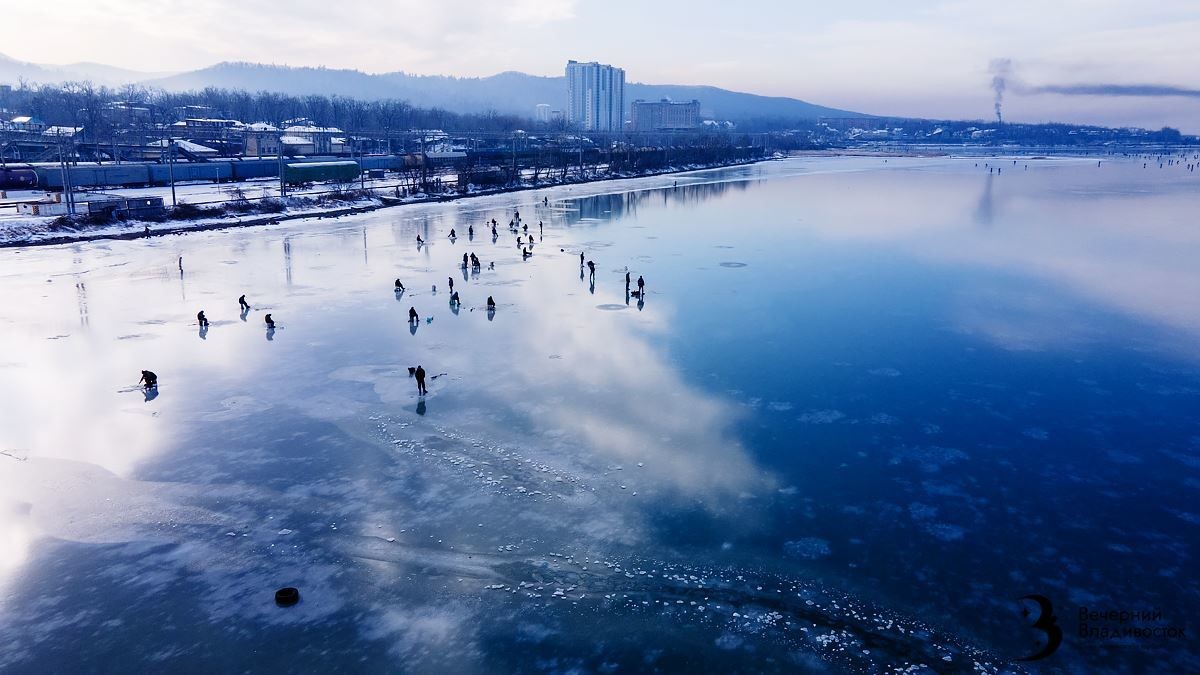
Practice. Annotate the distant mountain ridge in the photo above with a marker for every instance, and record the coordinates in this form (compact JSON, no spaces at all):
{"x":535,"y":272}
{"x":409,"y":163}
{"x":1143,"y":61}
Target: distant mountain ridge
{"x":13,"y":71}
{"x":508,"y":92}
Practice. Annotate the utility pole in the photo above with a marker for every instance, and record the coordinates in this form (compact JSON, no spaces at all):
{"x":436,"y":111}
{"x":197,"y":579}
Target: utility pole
{"x":65,"y":168}
{"x":362,"y":176}
{"x":424,"y":164}
{"x":282,"y":182}
{"x":62,"y":168}
{"x":171,"y":167}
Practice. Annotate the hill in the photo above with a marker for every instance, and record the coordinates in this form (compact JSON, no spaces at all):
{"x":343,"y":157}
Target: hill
{"x":507,"y":92}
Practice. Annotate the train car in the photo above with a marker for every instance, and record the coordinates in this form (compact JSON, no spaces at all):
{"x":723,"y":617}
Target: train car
{"x":490,"y":176}
{"x":244,"y":169}
{"x":18,"y":177}
{"x":139,"y":174}
{"x":313,"y":172}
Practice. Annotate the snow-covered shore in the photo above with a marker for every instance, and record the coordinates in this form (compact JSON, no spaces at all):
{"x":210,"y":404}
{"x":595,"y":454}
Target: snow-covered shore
{"x":16,"y":231}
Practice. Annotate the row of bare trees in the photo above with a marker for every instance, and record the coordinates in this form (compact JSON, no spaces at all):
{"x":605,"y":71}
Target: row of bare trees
{"x":103,"y":111}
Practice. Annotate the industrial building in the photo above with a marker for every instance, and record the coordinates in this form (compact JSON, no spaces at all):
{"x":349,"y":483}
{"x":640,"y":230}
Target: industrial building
{"x":260,"y":140}
{"x":664,"y":115}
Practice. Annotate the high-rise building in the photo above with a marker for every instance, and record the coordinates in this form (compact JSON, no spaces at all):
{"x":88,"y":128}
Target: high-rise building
{"x":542,"y":112}
{"x":595,"y":96}
{"x":664,"y":115}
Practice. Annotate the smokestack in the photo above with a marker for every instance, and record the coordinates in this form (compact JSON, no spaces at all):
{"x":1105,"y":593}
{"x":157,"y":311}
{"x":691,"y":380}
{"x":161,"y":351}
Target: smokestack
{"x":1000,"y":69}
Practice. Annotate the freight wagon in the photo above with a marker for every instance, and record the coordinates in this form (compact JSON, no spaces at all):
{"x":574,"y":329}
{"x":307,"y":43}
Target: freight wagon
{"x":49,"y":176}
{"x":315,"y":172}
{"x":18,"y":177}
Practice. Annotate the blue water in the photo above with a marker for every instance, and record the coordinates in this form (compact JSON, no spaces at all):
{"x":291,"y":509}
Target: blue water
{"x":865,"y":407}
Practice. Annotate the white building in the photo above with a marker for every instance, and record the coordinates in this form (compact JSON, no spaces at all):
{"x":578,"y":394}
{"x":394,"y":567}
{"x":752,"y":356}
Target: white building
{"x":542,"y":112}
{"x":595,"y":96}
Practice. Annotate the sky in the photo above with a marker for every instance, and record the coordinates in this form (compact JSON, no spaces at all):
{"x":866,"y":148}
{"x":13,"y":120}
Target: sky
{"x":1069,"y":60}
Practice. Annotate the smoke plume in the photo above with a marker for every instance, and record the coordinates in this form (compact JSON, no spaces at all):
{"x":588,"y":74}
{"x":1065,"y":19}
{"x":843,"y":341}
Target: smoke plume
{"x":1001,"y":70}
{"x":1148,"y":90}
{"x":1004,"y":78}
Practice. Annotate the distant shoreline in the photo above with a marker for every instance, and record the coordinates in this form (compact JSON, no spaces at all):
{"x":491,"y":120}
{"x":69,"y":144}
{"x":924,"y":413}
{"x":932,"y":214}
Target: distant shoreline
{"x":379,"y":203}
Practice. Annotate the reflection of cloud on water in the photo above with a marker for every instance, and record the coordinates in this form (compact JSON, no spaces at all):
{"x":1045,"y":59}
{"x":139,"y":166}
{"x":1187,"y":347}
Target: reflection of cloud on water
{"x":622,"y":399}
{"x":1129,"y":251}
{"x":75,"y":501}
{"x":442,"y":635}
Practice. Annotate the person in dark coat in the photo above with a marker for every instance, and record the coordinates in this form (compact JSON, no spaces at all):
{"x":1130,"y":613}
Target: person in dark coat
{"x":269,"y":321}
{"x":149,"y":378}
{"x":201,"y":319}
{"x":420,"y":375}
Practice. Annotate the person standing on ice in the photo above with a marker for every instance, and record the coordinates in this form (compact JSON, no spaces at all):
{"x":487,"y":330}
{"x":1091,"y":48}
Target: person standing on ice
{"x":591,"y":269}
{"x":491,"y":304}
{"x":412,"y":315}
{"x":451,"y":281}
{"x":581,"y":258}
{"x":201,"y":319}
{"x":641,"y":285}
{"x":270,"y":322}
{"x":243,"y":304}
{"x":420,"y":375}
{"x":399,"y":286}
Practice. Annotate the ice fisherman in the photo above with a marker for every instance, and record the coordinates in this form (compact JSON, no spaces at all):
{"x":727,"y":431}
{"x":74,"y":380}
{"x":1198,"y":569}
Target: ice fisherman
{"x":149,"y":378}
{"x":420,"y":375}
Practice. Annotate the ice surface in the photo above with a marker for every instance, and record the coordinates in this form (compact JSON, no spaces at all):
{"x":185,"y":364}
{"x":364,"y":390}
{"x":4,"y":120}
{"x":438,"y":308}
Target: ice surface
{"x":665,"y":483}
